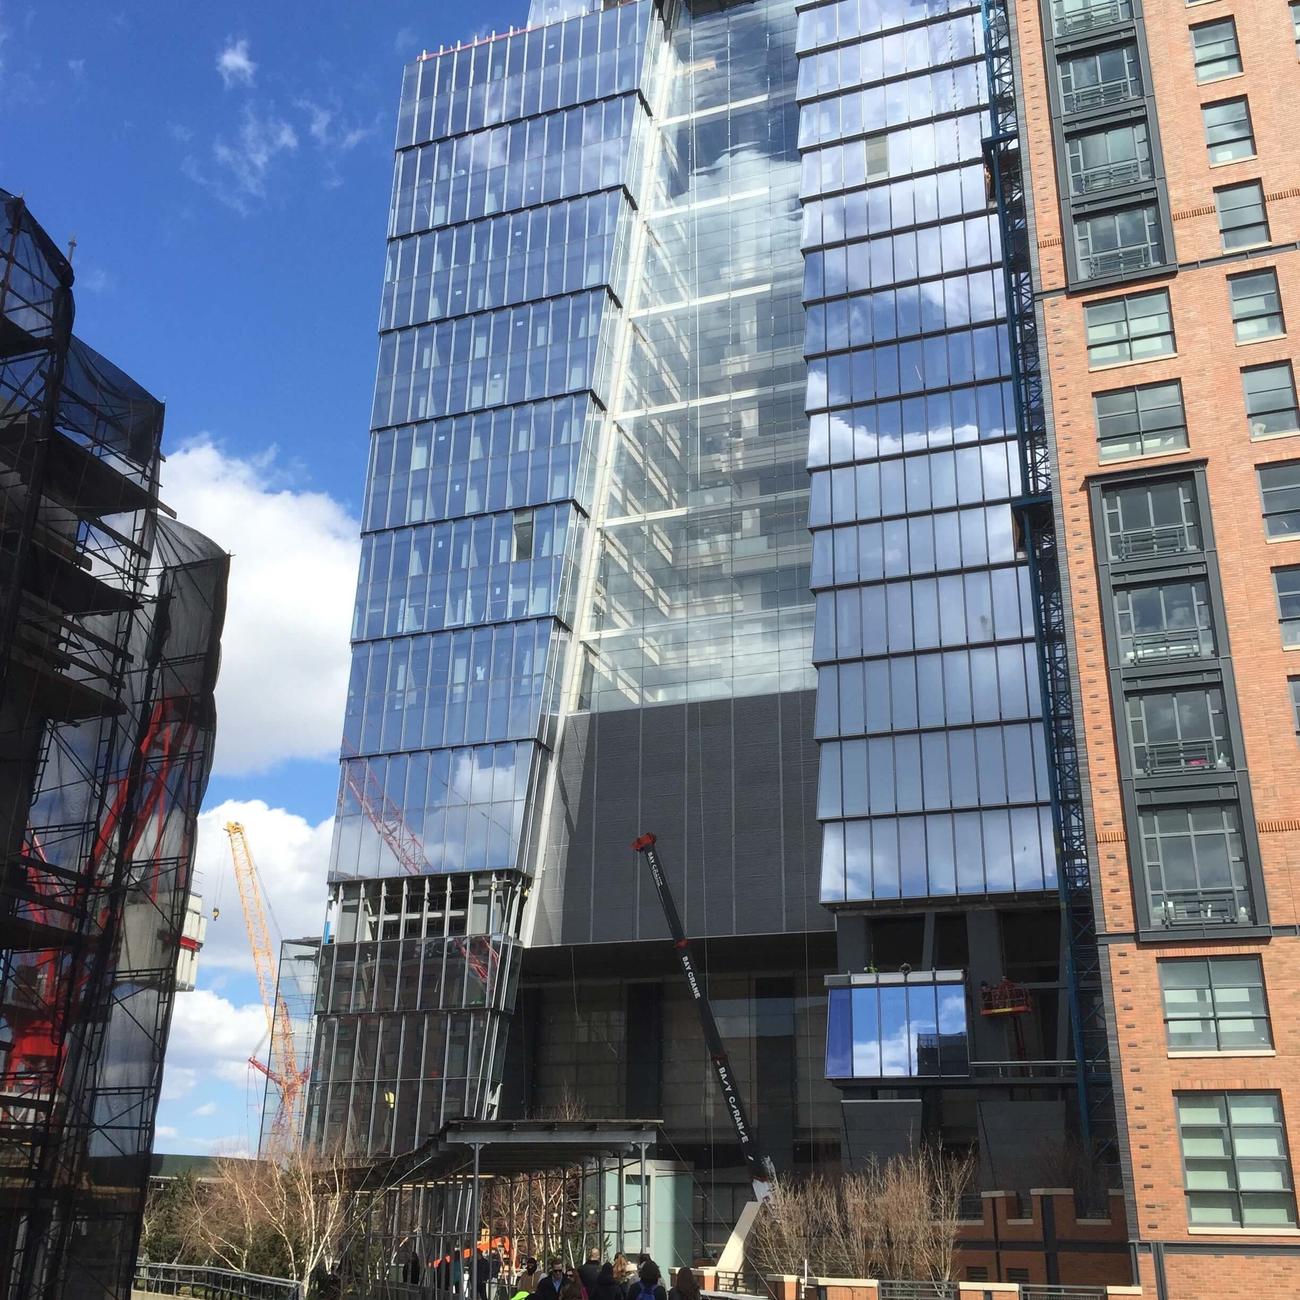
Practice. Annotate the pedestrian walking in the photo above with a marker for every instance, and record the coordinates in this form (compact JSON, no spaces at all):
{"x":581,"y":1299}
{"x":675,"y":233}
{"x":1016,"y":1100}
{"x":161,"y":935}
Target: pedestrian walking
{"x":624,"y":1272}
{"x":647,"y":1286}
{"x":606,"y":1286}
{"x":685,"y":1287}
{"x":590,"y":1270}
{"x":552,"y":1284}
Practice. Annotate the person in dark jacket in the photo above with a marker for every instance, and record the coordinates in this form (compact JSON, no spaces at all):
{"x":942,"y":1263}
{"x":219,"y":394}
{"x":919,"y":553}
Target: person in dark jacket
{"x":647,"y":1286}
{"x":552,"y":1284}
{"x":590,"y":1271}
{"x":685,"y":1287}
{"x":606,"y":1286}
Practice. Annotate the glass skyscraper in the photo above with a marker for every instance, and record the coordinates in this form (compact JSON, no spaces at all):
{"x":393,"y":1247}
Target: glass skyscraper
{"x":649,"y":265}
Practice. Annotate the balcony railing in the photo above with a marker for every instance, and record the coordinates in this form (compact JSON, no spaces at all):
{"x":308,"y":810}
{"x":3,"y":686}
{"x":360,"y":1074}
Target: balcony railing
{"x":1111,"y":176}
{"x":1120,"y":261}
{"x":1068,"y":20}
{"x":211,"y":1283}
{"x":1175,"y":908}
{"x":1164,"y":647}
{"x":1166,"y":757}
{"x":1101,"y":95}
{"x":1151,"y":543}
{"x":893,"y":1289}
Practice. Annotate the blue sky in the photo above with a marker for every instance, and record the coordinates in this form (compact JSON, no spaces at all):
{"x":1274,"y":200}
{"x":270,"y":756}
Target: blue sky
{"x":225,"y":170}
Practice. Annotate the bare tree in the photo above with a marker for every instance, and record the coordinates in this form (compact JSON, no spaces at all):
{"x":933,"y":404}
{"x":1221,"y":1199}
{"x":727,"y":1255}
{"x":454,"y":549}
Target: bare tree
{"x":896,"y":1220}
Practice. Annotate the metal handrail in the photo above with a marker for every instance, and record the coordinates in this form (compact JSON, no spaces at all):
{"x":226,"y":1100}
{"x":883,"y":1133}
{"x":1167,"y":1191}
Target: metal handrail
{"x":1179,"y":907}
{"x":1102,"y":94}
{"x":1111,"y":175}
{"x":1143,"y":543}
{"x":205,"y":1283}
{"x":1159,"y":647}
{"x":1045,"y":1291}
{"x":1067,"y":22}
{"x":1166,"y":756}
{"x":1122,"y":260}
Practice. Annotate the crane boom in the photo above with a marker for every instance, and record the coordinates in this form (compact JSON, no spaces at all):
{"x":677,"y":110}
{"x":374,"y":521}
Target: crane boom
{"x":289,"y":1078}
{"x":760,"y":1167}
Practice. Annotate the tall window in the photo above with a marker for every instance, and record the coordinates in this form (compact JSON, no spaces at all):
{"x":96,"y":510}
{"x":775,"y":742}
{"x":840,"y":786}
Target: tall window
{"x":1286,"y":583}
{"x":1101,"y":77}
{"x":1178,"y":733}
{"x":1112,"y":243}
{"x":1164,"y":622}
{"x":1279,"y":485}
{"x":1256,"y":306}
{"x":1101,"y":160}
{"x":1141,"y":421}
{"x":1270,"y":399}
{"x":1215,"y":1004}
{"x":1295,"y":24}
{"x":1194,"y":860}
{"x":1215,"y":52}
{"x":1134,"y":328}
{"x":1228,"y":136}
{"x":1243,"y":219}
{"x":1236,"y":1168}
{"x":913,"y":1027}
{"x":1293,"y":685}
{"x":1147,"y":520}
{"x":1071,"y":16}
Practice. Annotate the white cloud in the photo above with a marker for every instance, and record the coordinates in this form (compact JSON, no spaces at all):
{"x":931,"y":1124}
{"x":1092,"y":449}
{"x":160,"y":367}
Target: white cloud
{"x":291,"y":855}
{"x":235,"y":65}
{"x":77,"y":67}
{"x":164,"y":1131}
{"x":284,"y":653}
{"x":214,"y":1038}
{"x":202,"y":1112}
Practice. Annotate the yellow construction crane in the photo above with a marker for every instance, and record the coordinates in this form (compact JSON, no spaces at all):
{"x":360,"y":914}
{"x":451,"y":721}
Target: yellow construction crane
{"x":288,"y":1078}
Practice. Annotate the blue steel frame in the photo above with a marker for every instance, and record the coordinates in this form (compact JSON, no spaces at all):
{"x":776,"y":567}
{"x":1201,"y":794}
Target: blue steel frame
{"x":1036,"y":515}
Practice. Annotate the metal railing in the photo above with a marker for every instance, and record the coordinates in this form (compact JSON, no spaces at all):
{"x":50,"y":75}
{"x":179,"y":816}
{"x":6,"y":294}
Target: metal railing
{"x":1099,"y":96}
{"x":1165,"y":757}
{"x":205,"y":1283}
{"x":1148,"y":543}
{"x":898,"y":1290}
{"x":1162,"y":647}
{"x":1043,"y":1291}
{"x":1120,"y":261}
{"x":1067,"y":20}
{"x":1110,"y":176}
{"x":1178,"y":907}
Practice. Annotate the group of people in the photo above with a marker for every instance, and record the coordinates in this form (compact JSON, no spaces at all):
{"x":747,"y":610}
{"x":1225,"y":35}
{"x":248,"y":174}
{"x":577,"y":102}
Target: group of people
{"x":616,"y":1279}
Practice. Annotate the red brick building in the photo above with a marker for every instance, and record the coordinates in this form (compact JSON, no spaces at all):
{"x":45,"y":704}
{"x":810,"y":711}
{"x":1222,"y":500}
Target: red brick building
{"x":1164,"y":211}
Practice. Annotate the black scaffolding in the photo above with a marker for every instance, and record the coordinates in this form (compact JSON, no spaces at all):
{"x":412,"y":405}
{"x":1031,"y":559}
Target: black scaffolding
{"x":110,"y":620}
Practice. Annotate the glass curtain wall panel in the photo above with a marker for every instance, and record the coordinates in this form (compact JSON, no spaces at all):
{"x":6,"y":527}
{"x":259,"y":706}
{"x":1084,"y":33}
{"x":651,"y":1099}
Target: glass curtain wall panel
{"x":518,"y":160}
{"x":700,"y":589}
{"x":933,"y":767}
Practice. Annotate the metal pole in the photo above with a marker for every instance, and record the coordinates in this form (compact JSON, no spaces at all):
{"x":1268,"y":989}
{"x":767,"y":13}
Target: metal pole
{"x":645,"y":1205}
{"x":600,"y":1206}
{"x":622,"y":1224}
{"x":473,"y":1225}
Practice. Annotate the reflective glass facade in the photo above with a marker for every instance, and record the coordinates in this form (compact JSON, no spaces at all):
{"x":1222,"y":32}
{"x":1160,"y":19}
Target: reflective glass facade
{"x":933,"y":768}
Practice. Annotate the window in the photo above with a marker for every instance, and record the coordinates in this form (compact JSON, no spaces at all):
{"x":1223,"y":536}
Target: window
{"x":976,"y":1273}
{"x":1101,"y":160}
{"x":1235,"y":1165}
{"x":1164,"y":622}
{"x":1178,"y":733}
{"x":1279,"y":485}
{"x":1293,"y":684}
{"x":1270,"y":399}
{"x":1017,"y":1275}
{"x":1194,"y":860}
{"x":1140,"y":421}
{"x":522,"y":548}
{"x":1256,"y":306}
{"x":1148,"y":520}
{"x":1101,"y":77}
{"x":1113,"y":243}
{"x":898,"y":1027}
{"x":1215,"y":1004}
{"x":1227,"y":130}
{"x":1135,"y":328}
{"x":877,"y":147}
{"x":1295,"y":24}
{"x":1286,"y":582}
{"x":1215,"y":51}
{"x":1242,"y":218}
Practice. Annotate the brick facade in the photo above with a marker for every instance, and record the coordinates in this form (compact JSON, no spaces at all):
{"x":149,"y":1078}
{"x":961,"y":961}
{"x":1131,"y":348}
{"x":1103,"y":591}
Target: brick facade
{"x":1207,"y":361}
